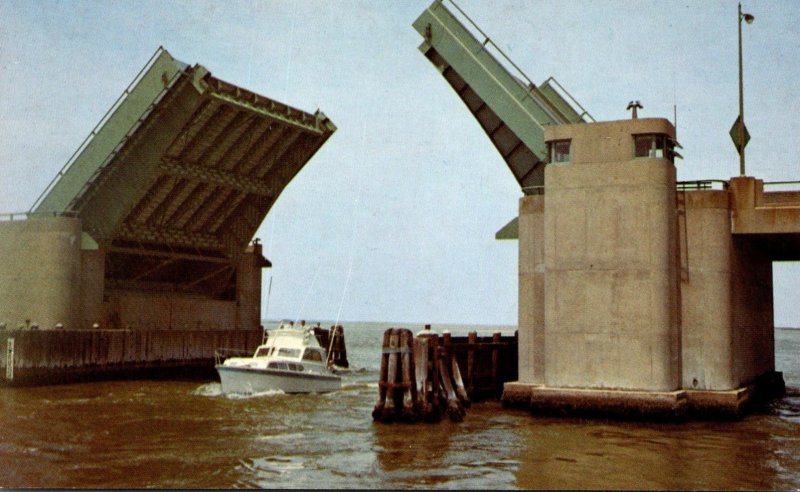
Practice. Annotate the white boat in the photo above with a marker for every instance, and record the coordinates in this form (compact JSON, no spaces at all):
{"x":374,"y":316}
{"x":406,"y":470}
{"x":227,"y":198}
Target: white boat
{"x":290,"y":360}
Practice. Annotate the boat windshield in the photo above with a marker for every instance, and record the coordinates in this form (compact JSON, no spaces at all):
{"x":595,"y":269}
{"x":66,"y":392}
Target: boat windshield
{"x":313,"y":355}
{"x":262,"y":352}
{"x":289,"y":352}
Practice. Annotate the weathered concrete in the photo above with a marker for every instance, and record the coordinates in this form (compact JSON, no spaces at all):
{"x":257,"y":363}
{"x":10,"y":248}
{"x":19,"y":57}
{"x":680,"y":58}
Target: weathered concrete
{"x":639,"y":300}
{"x":760,"y":212}
{"x":40,"y":274}
{"x":608,"y":402}
{"x":52,"y":280}
{"x":531,"y":290}
{"x":673,"y":405}
{"x":108,"y":331}
{"x":707,"y":331}
{"x":610,"y":294}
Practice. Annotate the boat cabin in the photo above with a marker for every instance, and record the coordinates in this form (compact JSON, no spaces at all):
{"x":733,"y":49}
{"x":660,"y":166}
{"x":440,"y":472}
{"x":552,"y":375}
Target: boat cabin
{"x":313,"y":354}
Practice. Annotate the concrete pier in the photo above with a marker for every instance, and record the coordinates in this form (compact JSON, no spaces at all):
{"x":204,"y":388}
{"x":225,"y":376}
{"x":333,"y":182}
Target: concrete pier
{"x":640,"y":299}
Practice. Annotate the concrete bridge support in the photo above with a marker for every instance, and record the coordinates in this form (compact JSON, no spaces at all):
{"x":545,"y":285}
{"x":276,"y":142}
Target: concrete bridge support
{"x":62,"y":319}
{"x":40,"y":275}
{"x":727,"y":311}
{"x":635,"y":298}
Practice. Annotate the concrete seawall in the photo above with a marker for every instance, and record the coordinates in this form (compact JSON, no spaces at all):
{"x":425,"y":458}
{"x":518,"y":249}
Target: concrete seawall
{"x":60,"y":356}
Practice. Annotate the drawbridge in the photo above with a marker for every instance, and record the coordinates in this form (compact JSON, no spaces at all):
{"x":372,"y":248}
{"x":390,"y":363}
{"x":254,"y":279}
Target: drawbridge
{"x":176,"y":178}
{"x":137,"y":258}
{"x":511,"y":109}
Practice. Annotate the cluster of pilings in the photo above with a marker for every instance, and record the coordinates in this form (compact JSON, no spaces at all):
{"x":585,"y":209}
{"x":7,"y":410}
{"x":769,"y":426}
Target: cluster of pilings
{"x":420,"y":379}
{"x":333,"y":341}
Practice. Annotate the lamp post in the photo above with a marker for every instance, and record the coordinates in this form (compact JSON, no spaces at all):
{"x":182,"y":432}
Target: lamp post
{"x":741,"y":143}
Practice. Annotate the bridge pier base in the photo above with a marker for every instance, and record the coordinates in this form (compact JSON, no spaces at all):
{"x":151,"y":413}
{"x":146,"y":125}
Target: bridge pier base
{"x":649,"y":405}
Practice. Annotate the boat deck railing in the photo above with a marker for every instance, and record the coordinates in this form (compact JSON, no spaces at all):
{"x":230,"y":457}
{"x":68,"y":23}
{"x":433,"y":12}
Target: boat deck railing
{"x":221,"y":354}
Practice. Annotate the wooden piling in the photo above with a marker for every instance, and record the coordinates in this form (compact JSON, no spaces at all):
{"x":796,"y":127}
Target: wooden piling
{"x":472,"y":339}
{"x":434,"y":377}
{"x":426,"y":376}
{"x":421,"y":349}
{"x":391,"y":377}
{"x":407,"y":357}
{"x":338,"y":347}
{"x":454,"y":410}
{"x":461,"y":391}
{"x":62,"y":356}
{"x":333,"y":340}
{"x":378,"y":411}
{"x":495,"y":356}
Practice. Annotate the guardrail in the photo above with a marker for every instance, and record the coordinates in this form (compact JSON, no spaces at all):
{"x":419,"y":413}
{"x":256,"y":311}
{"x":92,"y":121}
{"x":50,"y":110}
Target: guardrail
{"x":702,"y":184}
{"x":99,"y":126}
{"x":789,"y":184}
{"x":487,"y":42}
{"x":223,"y":353}
{"x":20,"y":216}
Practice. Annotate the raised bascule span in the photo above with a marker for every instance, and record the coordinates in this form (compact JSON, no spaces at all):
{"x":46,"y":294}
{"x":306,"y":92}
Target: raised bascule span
{"x":510,"y":108}
{"x":184,"y":163}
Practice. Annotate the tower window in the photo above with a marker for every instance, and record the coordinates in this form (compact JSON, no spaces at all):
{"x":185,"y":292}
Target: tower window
{"x":655,"y":146}
{"x":650,"y":146}
{"x":559,"y":151}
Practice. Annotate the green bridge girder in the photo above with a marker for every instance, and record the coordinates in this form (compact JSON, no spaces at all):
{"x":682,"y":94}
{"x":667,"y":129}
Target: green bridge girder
{"x":511,"y":111}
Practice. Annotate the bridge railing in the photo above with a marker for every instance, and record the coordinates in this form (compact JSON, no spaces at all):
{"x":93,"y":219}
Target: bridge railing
{"x":695,"y":185}
{"x":784,"y":185}
{"x":20,"y":216}
{"x":506,"y":61}
{"x":702,"y":184}
{"x":95,"y":130}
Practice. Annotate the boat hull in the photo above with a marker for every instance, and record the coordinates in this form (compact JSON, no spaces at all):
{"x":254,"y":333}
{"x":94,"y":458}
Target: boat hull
{"x":247,"y":381}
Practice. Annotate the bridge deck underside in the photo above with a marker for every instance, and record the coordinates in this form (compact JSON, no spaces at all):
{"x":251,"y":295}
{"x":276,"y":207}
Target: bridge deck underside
{"x":776,"y":247}
{"x":526,"y":167}
{"x":766,"y":220}
{"x":179,"y":198}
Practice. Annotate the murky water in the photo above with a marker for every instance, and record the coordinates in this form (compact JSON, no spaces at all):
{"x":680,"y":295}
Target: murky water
{"x":185,"y":434}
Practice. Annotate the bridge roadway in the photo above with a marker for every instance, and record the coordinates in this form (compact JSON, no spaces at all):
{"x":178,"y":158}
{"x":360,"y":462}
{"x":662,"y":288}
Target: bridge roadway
{"x":768,"y":219}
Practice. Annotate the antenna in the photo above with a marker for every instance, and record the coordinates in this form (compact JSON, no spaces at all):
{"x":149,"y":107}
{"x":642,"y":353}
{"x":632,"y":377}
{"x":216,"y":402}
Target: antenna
{"x":675,"y":117}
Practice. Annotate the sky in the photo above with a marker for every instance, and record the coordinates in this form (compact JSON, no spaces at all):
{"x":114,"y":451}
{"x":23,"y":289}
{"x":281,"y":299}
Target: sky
{"x":394,"y":218}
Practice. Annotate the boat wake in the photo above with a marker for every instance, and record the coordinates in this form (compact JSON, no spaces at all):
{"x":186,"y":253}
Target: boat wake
{"x":359,"y":385}
{"x":215,"y":390}
{"x":248,"y":396}
{"x":282,"y":437}
{"x":208,"y":389}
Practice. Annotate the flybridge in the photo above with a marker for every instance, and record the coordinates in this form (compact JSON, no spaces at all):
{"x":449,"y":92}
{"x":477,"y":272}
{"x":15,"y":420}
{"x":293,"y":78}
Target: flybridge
{"x":510,"y":108}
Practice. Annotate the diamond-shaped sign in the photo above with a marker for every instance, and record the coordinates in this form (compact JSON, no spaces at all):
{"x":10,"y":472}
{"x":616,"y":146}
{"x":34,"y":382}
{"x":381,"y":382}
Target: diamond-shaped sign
{"x":736,"y":135}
